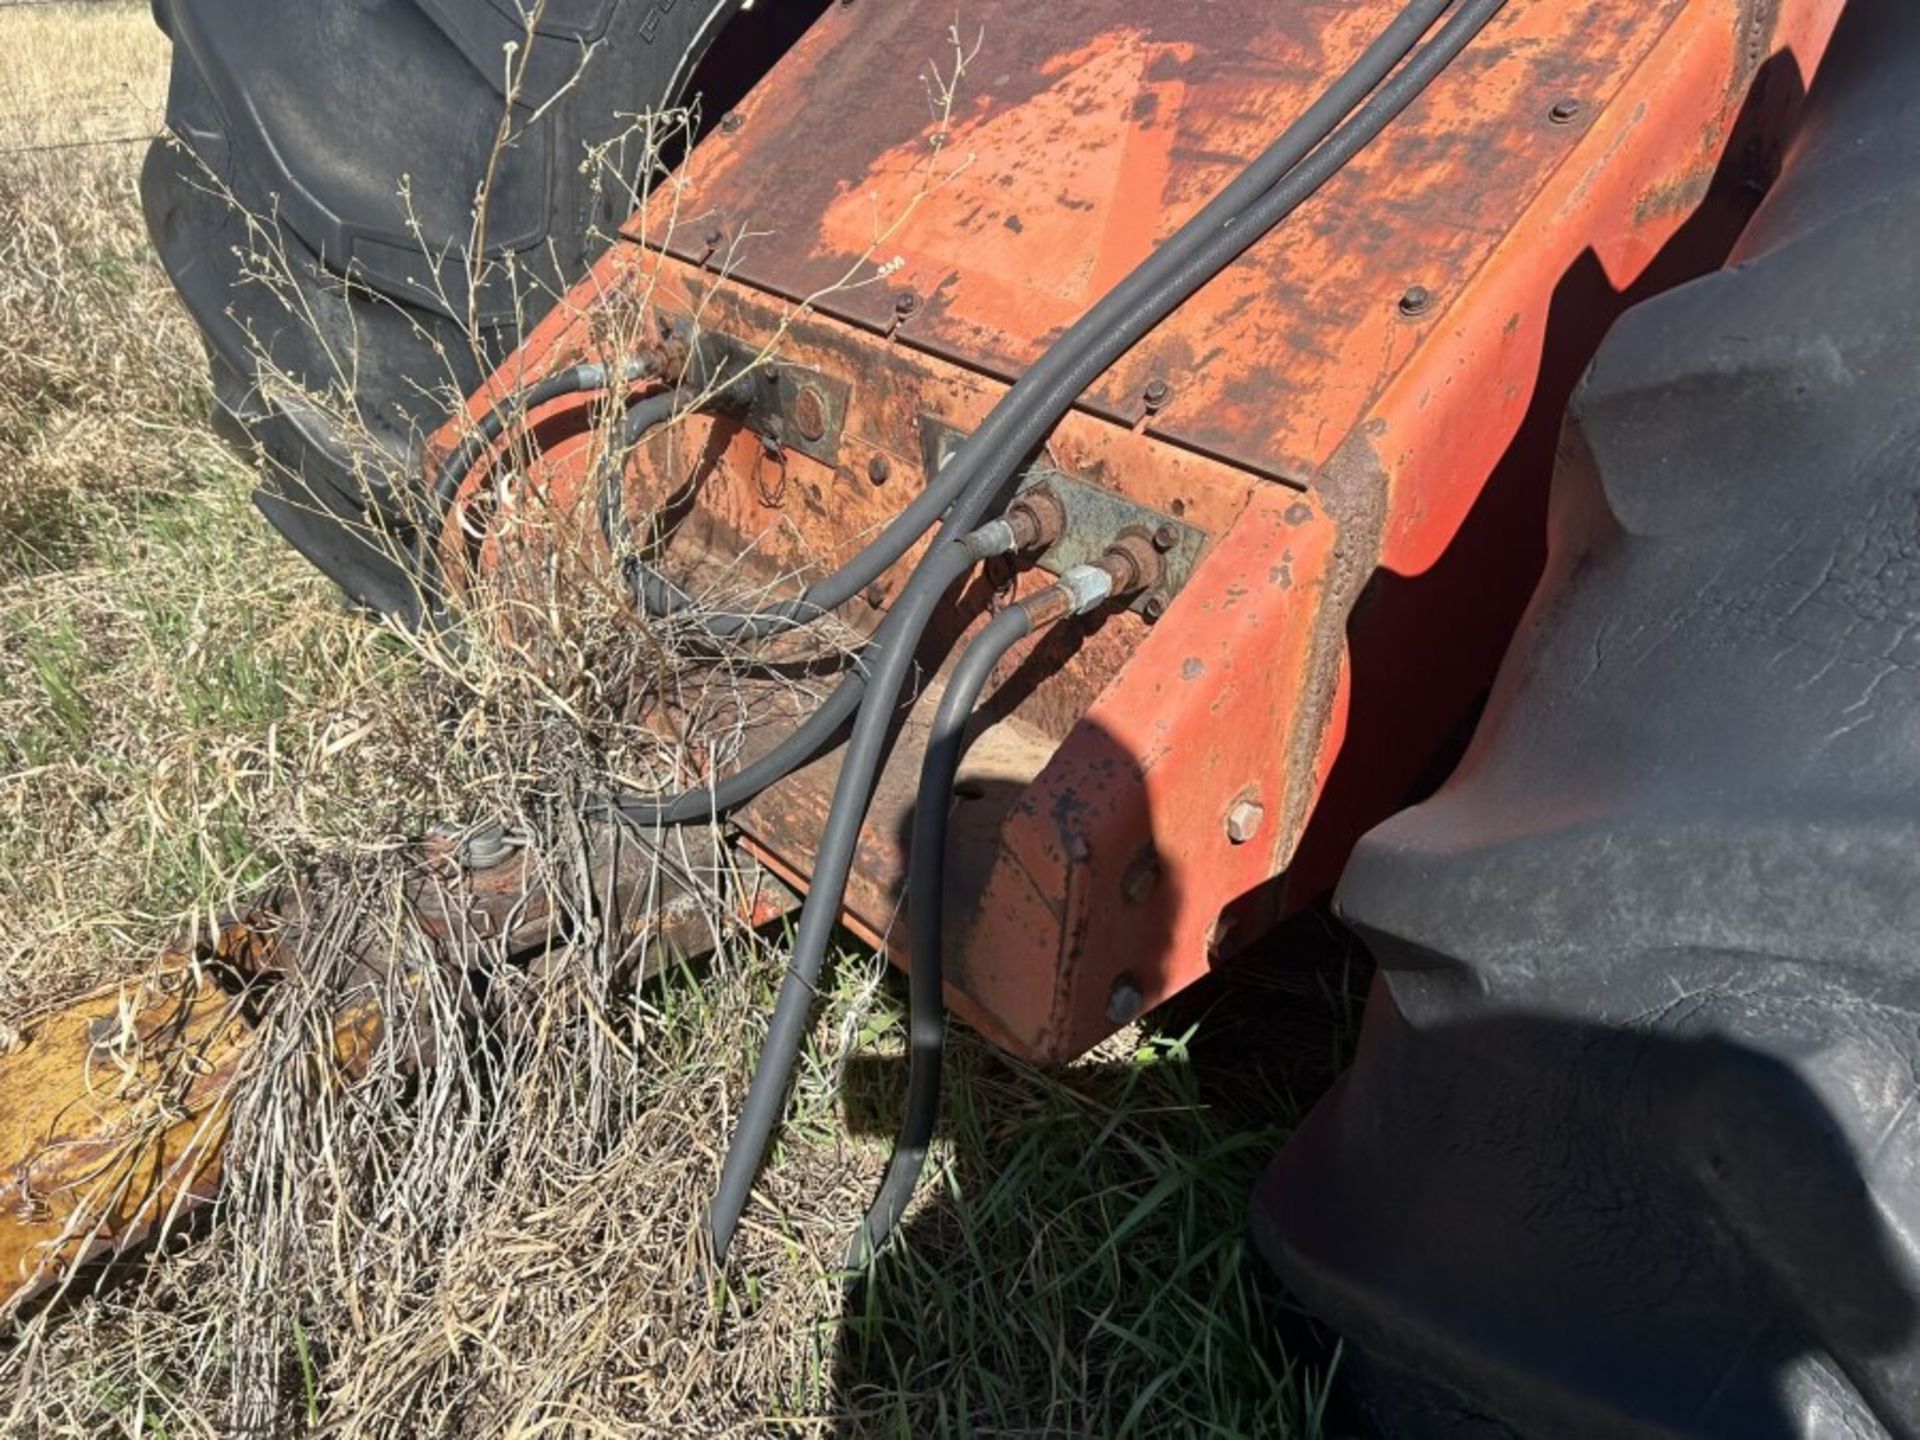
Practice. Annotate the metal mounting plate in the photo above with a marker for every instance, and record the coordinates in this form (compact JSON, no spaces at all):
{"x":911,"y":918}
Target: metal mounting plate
{"x":1095,"y":515}
{"x":802,"y":410}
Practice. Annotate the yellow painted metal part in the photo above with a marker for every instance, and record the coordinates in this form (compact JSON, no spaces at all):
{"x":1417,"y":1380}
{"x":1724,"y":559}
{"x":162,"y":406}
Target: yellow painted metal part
{"x":115,"y":1112}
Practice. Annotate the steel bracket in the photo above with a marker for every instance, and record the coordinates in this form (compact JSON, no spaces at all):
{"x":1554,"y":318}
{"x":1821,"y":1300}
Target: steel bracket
{"x":1095,"y":516}
{"x":791,"y":406}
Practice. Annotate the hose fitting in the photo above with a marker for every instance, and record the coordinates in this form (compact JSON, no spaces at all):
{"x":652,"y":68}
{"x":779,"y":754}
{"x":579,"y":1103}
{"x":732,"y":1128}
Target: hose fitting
{"x":1038,"y":518}
{"x":1132,"y":562}
{"x":1087,"y":588}
{"x":995,"y":538}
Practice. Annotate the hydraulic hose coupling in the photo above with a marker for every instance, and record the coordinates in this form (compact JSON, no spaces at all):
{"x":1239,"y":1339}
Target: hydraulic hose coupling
{"x":1133,"y":562}
{"x":1087,"y":588}
{"x":1038,"y":519}
{"x":1035,"y":521}
{"x":995,"y":538}
{"x":1079,"y":591}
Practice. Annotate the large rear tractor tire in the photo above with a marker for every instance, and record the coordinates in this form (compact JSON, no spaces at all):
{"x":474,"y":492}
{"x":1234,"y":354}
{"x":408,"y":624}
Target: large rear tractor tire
{"x":1632,"y":1143}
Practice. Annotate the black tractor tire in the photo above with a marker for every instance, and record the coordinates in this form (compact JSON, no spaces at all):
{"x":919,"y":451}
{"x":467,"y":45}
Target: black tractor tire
{"x":1631,"y":1146}
{"x":296,"y":126}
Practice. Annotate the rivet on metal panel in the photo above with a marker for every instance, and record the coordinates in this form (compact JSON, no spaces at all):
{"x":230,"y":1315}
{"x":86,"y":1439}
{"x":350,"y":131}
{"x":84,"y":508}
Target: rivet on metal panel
{"x":1125,"y":1002}
{"x":1165,"y":538}
{"x":714,"y":236}
{"x":1565,"y":112}
{"x":1416,"y":301}
{"x":1244,"y":821}
{"x":731,"y":122}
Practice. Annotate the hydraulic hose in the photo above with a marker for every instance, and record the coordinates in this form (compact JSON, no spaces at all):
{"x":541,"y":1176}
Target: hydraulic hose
{"x":833,"y":863}
{"x":976,"y":474}
{"x":1045,"y":393}
{"x":1077,"y":594}
{"x":816,"y":733}
{"x":643,"y":417}
{"x":1088,"y":349}
{"x":487,"y":430}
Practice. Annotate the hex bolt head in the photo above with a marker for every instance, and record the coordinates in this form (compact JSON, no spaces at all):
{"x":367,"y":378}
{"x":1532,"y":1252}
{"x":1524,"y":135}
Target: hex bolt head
{"x":1165,"y":538}
{"x":1565,"y":112}
{"x":1125,"y":1002}
{"x":714,"y":236}
{"x":1244,"y":821}
{"x":1416,"y":301}
{"x":810,"y":413}
{"x":731,"y":122}
{"x":905,"y":304}
{"x":1154,"y":606}
{"x":1158,"y":393}
{"x":879,"y":469}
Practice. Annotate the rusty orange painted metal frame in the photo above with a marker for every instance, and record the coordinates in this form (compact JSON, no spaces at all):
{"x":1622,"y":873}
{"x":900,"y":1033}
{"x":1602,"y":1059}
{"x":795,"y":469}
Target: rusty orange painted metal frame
{"x":1362,"y":416}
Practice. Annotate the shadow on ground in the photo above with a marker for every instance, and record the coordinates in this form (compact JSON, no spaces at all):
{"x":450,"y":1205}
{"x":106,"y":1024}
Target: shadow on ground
{"x":1082,"y":1263}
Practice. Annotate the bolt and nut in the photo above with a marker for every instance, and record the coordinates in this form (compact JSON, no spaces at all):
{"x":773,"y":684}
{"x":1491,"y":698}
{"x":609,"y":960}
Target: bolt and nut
{"x":906,"y":304}
{"x":1244,"y":820}
{"x":1158,"y":393}
{"x":1416,"y":301}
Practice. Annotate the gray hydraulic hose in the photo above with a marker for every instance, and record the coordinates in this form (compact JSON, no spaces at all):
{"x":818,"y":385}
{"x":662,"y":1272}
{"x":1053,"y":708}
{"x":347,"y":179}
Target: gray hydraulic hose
{"x":1083,"y":590}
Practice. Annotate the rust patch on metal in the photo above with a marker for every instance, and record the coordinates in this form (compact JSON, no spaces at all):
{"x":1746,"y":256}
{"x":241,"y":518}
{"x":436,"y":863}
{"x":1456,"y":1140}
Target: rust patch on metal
{"x":1099,"y":128}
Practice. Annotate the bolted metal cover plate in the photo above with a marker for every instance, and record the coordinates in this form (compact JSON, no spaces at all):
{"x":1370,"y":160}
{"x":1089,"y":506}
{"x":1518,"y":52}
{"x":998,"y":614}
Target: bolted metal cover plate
{"x":1094,"y":517}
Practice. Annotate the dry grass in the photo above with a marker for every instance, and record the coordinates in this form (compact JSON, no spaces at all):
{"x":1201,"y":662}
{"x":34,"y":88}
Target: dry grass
{"x":505,"y":1242}
{"x":80,"y":72}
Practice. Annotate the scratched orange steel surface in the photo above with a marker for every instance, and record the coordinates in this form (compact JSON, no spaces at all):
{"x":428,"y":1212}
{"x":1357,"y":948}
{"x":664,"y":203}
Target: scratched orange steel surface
{"x":1360,"y":415}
